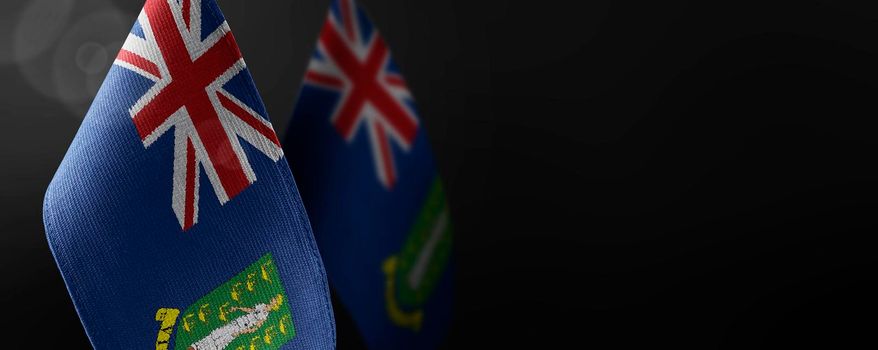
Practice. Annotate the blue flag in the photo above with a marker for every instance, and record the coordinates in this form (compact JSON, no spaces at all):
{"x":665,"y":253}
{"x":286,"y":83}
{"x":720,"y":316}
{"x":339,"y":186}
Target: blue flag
{"x":174,"y":218}
{"x":368,"y":180}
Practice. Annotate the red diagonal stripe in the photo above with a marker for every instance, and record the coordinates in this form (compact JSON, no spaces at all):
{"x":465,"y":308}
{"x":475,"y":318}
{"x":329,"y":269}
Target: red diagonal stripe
{"x":219,"y":148}
{"x":248,"y":118}
{"x":347,"y":19}
{"x":391,"y":108}
{"x":168,"y":37}
{"x":340,"y":53}
{"x":324,"y":79}
{"x":365,"y":86}
{"x":139,"y":62}
{"x":348,"y":113}
{"x":347,"y":62}
{"x":395,"y":80}
{"x":189,"y":201}
{"x":186,"y":12}
{"x":386,"y":155}
{"x":189,"y":78}
{"x":394,"y":114}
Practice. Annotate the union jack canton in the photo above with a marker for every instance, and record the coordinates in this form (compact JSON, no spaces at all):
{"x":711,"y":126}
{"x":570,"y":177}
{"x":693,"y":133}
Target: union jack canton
{"x":354,"y":60}
{"x":365,"y":167}
{"x":190,"y":67}
{"x":149,"y":257}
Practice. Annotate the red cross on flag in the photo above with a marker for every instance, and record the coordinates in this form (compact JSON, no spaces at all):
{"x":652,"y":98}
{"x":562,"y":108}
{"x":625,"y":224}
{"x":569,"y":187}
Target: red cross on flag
{"x":190,"y":68}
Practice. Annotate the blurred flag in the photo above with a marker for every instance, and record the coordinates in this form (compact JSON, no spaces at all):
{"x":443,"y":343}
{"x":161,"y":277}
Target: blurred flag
{"x":366,"y":172}
{"x":173,"y":218}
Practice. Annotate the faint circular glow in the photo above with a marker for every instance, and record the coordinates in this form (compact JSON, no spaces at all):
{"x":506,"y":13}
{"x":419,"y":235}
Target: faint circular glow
{"x":9,"y":13}
{"x":39,"y":26}
{"x":74,"y":69}
{"x":84,"y":56}
{"x":92,"y":57}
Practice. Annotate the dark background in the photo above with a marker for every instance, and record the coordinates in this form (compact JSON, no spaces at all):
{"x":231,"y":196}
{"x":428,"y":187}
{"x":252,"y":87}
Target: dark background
{"x":622,"y":174}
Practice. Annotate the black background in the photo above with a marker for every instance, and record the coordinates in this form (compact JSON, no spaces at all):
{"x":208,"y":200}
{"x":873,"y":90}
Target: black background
{"x":696,"y":174}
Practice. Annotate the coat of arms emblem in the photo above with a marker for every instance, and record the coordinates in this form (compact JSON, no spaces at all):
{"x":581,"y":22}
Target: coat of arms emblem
{"x":247,"y":312}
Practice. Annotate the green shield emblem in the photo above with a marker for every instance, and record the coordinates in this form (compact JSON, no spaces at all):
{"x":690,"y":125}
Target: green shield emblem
{"x":412,"y":274}
{"x":247,"y":312}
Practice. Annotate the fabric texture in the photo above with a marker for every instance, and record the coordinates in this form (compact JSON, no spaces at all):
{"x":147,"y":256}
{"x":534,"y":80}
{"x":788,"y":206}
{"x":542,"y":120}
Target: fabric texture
{"x":366,"y":171}
{"x":174,"y":211}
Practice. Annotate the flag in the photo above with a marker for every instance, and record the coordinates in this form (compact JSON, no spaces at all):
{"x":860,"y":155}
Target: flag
{"x":364,"y":164}
{"x":174,"y":218}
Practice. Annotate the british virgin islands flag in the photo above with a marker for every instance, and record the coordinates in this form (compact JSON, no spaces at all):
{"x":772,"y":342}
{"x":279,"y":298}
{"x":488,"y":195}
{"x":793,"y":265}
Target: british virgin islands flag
{"x":363,"y":161}
{"x":174,"y":218}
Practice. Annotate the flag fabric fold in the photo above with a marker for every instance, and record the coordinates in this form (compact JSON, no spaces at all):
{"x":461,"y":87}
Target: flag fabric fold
{"x":174,"y":218}
{"x":363,"y":162}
